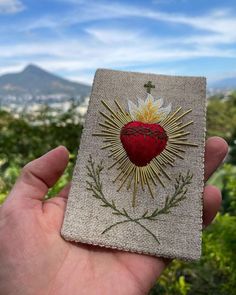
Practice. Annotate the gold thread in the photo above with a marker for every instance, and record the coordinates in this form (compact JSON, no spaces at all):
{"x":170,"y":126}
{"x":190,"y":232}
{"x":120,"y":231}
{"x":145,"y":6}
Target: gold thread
{"x":117,"y":161}
{"x":109,"y":132}
{"x":150,"y":172}
{"x":184,"y":126}
{"x":127,"y":118}
{"x":167,"y":161}
{"x":122,"y":164}
{"x":112,"y":112}
{"x":184,"y":114}
{"x":141,"y":177}
{"x":112,"y":126}
{"x":169,"y":118}
{"x":126,"y":170}
{"x":148,"y":184}
{"x":161,"y":169}
{"x":184,"y":143}
{"x":110,"y":120}
{"x":128,"y":174}
{"x":179,"y":135}
{"x":153,"y":167}
{"x":116,"y":153}
{"x":106,"y":146}
{"x":121,"y":172}
{"x":107,"y":126}
{"x":135,"y":188}
{"x":175,"y":148}
{"x":175,"y":153}
{"x":130,"y":181}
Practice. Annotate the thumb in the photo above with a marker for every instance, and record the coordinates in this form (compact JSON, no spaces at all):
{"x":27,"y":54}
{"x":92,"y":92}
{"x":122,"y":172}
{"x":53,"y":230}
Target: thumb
{"x":39,"y":175}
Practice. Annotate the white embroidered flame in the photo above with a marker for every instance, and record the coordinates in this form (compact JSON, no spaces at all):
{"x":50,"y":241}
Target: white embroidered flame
{"x":149,"y":110}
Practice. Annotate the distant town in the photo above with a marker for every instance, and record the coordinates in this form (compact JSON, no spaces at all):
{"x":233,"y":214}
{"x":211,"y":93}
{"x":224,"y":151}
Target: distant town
{"x":33,"y":87}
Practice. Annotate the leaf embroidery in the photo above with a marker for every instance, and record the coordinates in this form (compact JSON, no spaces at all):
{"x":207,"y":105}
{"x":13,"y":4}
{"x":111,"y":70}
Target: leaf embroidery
{"x":94,"y":184}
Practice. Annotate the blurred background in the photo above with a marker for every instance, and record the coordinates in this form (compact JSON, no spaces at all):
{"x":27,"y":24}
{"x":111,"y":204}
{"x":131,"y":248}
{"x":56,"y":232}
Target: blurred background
{"x":49,"y":51}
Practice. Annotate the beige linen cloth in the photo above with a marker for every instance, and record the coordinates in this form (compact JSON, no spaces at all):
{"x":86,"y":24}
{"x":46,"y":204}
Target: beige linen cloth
{"x":179,"y":231}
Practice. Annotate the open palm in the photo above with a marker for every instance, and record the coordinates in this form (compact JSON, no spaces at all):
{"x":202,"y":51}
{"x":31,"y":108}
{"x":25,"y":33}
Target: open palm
{"x":34,"y":258}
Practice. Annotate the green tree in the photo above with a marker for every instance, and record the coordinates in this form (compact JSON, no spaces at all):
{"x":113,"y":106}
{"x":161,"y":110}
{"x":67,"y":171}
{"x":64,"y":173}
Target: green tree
{"x":214,"y":274}
{"x":26,"y":136}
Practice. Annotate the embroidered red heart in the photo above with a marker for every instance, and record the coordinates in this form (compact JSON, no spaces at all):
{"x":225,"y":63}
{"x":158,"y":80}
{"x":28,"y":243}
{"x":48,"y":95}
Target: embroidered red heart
{"x":143,"y":141}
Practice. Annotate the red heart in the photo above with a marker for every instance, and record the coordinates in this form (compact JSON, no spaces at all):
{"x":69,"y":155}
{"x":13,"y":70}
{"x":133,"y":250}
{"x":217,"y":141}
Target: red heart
{"x":142,"y":141}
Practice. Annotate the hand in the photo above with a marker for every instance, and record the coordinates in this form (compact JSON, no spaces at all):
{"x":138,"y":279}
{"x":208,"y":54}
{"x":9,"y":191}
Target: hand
{"x":35,"y":260}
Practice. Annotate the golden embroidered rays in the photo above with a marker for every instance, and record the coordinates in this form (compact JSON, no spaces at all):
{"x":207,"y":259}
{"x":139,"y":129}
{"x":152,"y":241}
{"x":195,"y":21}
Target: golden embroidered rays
{"x":155,"y":172}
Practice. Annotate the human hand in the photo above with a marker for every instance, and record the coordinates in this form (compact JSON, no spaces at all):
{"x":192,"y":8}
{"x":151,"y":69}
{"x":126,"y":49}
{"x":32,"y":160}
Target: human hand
{"x":36,"y":260}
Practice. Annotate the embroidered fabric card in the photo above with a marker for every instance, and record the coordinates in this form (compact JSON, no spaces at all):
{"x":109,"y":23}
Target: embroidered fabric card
{"x":138,"y":181}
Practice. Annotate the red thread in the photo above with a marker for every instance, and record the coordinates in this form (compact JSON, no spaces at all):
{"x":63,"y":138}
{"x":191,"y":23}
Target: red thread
{"x":143,"y":141}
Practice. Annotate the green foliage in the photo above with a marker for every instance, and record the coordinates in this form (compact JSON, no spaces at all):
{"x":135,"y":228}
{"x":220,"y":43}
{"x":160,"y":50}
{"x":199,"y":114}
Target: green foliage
{"x":225,"y":179}
{"x":25,"y":136}
{"x":221,"y":121}
{"x":214,"y":274}
{"x":221,"y":116}
{"x":220,"y":243}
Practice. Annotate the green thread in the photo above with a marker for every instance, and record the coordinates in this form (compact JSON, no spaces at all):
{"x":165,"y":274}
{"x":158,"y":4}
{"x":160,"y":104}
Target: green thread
{"x":96,"y":187}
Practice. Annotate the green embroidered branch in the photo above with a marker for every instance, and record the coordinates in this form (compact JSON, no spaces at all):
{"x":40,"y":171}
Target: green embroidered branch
{"x":95,"y":186}
{"x":179,"y":195}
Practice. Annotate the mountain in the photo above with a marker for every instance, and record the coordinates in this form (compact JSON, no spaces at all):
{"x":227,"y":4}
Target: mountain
{"x":35,"y":85}
{"x":223,"y":86}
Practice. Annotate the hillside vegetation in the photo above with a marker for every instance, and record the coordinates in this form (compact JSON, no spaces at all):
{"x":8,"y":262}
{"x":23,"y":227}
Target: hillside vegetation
{"x":27,"y":136}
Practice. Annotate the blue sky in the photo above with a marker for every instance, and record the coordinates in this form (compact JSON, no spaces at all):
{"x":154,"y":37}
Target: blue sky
{"x":74,"y":37}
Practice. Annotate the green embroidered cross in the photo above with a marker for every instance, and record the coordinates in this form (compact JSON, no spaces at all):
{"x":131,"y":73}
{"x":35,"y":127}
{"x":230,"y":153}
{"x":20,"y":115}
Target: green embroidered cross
{"x":149,"y":86}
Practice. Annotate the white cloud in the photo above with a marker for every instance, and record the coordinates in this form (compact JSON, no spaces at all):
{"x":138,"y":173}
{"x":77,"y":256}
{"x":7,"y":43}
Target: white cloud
{"x":114,"y":35}
{"x":70,"y":55}
{"x":122,"y":46}
{"x":217,"y":25}
{"x":11,"y":68}
{"x":167,"y":2}
{"x":82,"y":77}
{"x":216,"y":20}
{"x":11,"y":6}
{"x":214,"y":78}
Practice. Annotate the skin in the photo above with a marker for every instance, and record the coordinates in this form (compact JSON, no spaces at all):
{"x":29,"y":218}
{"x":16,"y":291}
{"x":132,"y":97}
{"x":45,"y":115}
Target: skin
{"x":34,"y":258}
